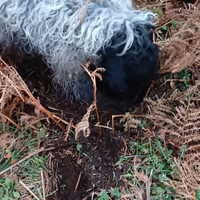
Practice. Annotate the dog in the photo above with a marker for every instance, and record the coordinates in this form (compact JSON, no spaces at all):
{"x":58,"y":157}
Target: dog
{"x":68,"y":33}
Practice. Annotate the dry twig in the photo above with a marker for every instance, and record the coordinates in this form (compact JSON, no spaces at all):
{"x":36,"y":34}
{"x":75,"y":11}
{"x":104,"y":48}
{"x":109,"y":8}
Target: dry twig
{"x":27,"y":188}
{"x":19,"y":86}
{"x":93,"y":76}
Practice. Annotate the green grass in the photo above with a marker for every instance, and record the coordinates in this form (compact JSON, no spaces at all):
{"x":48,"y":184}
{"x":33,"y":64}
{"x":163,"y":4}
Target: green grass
{"x":186,"y":76}
{"x":154,"y":161}
{"x":8,"y":190}
{"x":28,"y":140}
{"x":158,"y":162}
{"x":114,"y":193}
{"x":31,"y":172}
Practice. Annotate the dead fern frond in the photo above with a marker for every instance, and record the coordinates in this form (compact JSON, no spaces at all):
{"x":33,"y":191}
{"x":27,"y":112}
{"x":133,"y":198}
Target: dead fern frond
{"x":14,"y":92}
{"x":129,"y":122}
{"x":186,"y":182}
{"x":178,"y":118}
{"x":83,"y":126}
{"x":181,"y":50}
{"x":93,"y":76}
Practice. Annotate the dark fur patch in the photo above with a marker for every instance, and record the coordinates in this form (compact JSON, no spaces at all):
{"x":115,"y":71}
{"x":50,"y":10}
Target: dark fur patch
{"x":129,"y":76}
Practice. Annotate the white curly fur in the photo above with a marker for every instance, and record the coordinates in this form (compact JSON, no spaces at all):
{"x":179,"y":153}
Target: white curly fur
{"x":69,"y":32}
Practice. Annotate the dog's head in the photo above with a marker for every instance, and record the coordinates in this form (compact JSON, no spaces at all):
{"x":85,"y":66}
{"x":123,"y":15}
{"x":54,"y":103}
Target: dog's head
{"x":128,"y":76}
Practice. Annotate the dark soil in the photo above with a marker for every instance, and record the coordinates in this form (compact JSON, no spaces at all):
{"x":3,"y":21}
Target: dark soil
{"x":78,"y":173}
{"x":86,"y":172}
{"x":94,"y":165}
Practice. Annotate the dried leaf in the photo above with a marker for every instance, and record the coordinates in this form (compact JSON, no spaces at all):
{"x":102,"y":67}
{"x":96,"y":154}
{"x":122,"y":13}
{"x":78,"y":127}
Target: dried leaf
{"x":83,"y":126}
{"x":5,"y":139}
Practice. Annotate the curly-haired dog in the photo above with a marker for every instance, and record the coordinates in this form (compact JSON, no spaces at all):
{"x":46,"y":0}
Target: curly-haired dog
{"x":68,"y":33}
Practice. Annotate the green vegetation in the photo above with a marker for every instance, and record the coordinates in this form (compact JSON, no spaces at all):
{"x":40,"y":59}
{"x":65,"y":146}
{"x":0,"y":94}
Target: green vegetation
{"x":153,"y":162}
{"x":185,"y":75}
{"x":24,"y":141}
{"x":8,"y":189}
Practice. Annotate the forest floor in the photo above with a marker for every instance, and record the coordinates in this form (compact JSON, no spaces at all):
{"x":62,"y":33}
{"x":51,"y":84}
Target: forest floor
{"x":147,"y":151}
